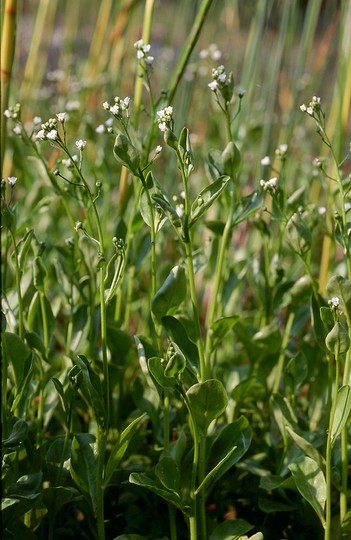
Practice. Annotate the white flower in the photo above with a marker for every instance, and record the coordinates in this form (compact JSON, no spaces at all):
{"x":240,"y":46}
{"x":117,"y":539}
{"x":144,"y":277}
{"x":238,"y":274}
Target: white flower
{"x":12,"y":180}
{"x":283,"y":148}
{"x":309,"y":111}
{"x":109,"y":122}
{"x":100,"y":129}
{"x":222,"y":77}
{"x":149,"y":60}
{"x":75,"y":158}
{"x":106,"y":105}
{"x":52,"y":135}
{"x":213,"y":85}
{"x":203,"y":53}
{"x":138,"y":44}
{"x":66,"y":162}
{"x":265,"y":161}
{"x":17,"y":130}
{"x":334,"y":302}
{"x":269,"y":185}
{"x":322,"y":210}
{"x":37,"y":120}
{"x":124,"y":103}
{"x":140,"y":54}
{"x":62,"y":117}
{"x":303,"y":108}
{"x":8,"y":113}
{"x":80,"y":144}
{"x":114,"y":109}
{"x":164,"y":118}
{"x":158,"y":149}
{"x":162,"y":126}
{"x":41,"y":135}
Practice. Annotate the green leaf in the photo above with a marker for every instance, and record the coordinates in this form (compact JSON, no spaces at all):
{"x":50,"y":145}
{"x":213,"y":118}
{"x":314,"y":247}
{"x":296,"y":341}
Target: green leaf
{"x":167,"y":471}
{"x":307,"y":448}
{"x":227,"y":448}
{"x":208,"y":400}
{"x":247,"y":206}
{"x":157,"y":368}
{"x":249,"y":390}
{"x":61,"y":393}
{"x":83,"y":466}
{"x":206,"y":198}
{"x":346,"y":526}
{"x":342,"y":411}
{"x":28,"y":484}
{"x":120,"y":449}
{"x":144,"y":202}
{"x":35,"y":342}
{"x":21,"y":398}
{"x":179,"y":335}
{"x":126,"y":153}
{"x":232,"y":529}
{"x":23,"y":248}
{"x":35,"y":319}
{"x":221,"y":327}
{"x":17,"y":353}
{"x":319,"y":326}
{"x":14,"y":508}
{"x":337,"y":340}
{"x":171,"y":294}
{"x":92,"y":385}
{"x":231,"y":159}
{"x":18,"y":434}
{"x":311,"y":484}
{"x":340,"y":287}
{"x":298,"y":234}
{"x":282,"y":412}
{"x":143,"y":480}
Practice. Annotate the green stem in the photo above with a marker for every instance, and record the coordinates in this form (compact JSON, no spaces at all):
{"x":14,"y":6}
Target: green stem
{"x":204,"y":369}
{"x":281,"y":359}
{"x":100,"y":514}
{"x":18,"y":288}
{"x":45,"y":322}
{"x":188,"y":48}
{"x":138,"y":89}
{"x":213,"y":304}
{"x":328,"y":458}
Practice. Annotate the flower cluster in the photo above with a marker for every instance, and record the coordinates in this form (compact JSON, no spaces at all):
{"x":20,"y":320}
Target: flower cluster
{"x":48,"y":131}
{"x":13,"y":112}
{"x":119,"y":107}
{"x":142,"y":50}
{"x":165,"y":118}
{"x":219,"y":78}
{"x":223,"y":83}
{"x":313,"y":107}
{"x":270,"y":185}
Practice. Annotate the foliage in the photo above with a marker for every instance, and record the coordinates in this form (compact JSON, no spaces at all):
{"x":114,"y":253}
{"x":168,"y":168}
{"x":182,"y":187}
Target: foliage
{"x":176,"y":329}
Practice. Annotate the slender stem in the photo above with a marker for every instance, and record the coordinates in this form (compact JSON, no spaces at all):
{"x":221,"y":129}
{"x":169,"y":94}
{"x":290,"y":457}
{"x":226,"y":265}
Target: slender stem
{"x":281,"y":359}
{"x":213,"y":304}
{"x":138,"y":89}
{"x":100,"y":514}
{"x":328,"y":458}
{"x":18,"y":287}
{"x":188,"y":48}
{"x":45,"y":322}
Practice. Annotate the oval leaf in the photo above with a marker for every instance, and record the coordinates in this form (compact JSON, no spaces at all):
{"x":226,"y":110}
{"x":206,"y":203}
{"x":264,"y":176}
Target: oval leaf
{"x":310,"y":482}
{"x":206,"y":198}
{"x":208,"y":400}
